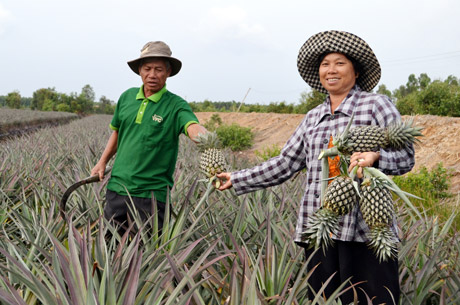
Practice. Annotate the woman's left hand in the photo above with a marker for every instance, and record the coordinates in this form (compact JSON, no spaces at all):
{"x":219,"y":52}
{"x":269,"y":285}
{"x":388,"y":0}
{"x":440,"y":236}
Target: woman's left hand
{"x":363,"y":159}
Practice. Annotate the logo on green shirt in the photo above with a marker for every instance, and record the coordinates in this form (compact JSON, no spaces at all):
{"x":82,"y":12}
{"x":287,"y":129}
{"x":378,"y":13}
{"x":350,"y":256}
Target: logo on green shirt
{"x":157,"y":118}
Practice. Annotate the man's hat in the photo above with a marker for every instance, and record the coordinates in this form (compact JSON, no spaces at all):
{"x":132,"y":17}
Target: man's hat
{"x":157,"y":49}
{"x":340,"y":42}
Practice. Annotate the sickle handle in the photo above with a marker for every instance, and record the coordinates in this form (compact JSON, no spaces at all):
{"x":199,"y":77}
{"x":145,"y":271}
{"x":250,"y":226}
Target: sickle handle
{"x":76,"y":185}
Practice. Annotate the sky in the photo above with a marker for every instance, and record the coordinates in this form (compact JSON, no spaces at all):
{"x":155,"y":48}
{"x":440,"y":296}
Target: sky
{"x":230,"y":50}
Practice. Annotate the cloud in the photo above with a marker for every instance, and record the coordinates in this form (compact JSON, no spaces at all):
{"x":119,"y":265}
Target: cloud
{"x":5,"y":17}
{"x":231,"y":22}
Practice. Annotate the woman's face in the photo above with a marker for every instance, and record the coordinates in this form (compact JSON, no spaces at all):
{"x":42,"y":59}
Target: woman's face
{"x":337,"y":74}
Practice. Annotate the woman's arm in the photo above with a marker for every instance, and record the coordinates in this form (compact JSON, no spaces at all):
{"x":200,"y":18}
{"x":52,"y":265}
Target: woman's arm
{"x":392,"y":161}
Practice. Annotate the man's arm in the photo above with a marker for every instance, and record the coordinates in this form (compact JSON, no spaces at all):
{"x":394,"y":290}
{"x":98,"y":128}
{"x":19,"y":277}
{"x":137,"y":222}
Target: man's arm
{"x":194,"y":129}
{"x":109,"y":151}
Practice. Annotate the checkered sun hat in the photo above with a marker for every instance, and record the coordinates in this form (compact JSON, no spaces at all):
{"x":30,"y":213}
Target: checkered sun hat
{"x":341,"y":42}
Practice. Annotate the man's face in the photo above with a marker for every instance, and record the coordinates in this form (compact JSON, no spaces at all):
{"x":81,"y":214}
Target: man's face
{"x":154,"y":74}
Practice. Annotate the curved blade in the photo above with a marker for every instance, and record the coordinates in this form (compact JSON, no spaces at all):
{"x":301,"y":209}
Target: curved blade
{"x":76,"y":185}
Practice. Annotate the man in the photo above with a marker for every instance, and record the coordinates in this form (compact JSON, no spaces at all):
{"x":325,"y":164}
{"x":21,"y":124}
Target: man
{"x":146,"y":126}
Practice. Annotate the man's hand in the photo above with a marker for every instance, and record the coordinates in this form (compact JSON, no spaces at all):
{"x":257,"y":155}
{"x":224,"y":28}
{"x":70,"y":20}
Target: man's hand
{"x":109,"y":151}
{"x":99,"y":170}
{"x":227,"y":178}
{"x":363,"y":159}
{"x":194,"y":129}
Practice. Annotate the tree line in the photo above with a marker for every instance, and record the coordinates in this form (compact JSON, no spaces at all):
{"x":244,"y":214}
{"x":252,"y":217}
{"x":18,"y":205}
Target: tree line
{"x":48,"y":99}
{"x":308,"y":100}
{"x":420,"y":95}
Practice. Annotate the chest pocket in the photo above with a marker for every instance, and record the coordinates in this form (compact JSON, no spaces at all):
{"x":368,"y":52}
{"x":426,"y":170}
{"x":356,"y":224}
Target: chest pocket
{"x":154,"y":133}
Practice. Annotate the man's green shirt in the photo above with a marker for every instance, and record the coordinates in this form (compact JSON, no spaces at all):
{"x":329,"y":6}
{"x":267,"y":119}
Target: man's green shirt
{"x":148,"y":142}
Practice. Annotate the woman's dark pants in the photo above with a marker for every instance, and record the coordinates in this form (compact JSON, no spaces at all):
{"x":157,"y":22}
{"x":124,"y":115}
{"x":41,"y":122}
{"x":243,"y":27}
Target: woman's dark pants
{"x":380,"y":280}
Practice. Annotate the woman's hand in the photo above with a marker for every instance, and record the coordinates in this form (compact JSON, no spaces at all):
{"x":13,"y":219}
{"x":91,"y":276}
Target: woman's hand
{"x":226,"y":178}
{"x":362,"y":159}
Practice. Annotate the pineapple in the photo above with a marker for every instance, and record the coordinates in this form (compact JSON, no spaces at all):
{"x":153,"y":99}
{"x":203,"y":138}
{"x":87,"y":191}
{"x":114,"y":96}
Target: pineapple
{"x":376,"y":205}
{"x":340,"y":195}
{"x":372,"y":138}
{"x":212,"y":160}
{"x":339,"y":198}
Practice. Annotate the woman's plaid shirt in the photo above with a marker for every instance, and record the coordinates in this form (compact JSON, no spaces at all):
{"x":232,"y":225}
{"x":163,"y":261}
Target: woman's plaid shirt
{"x":309,"y":139}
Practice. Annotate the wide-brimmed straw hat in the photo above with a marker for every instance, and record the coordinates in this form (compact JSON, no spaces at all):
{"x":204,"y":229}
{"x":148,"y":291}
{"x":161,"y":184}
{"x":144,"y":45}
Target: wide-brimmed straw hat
{"x":156,"y":49}
{"x":341,"y":42}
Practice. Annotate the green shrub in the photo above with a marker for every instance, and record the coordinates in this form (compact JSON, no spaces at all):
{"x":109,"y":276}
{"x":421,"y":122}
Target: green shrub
{"x":426,"y":184}
{"x":309,"y":100}
{"x":268,"y":152}
{"x":436,"y":98}
{"x":214,"y":122}
{"x":440,"y":99}
{"x":432,"y":186}
{"x":235,"y":136}
{"x":408,"y":105}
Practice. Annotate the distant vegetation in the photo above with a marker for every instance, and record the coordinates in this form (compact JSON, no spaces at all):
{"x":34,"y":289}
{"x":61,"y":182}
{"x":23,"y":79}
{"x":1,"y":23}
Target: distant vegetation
{"x":268,"y":152}
{"x":433,"y":186}
{"x":420,"y":95}
{"x":48,"y":99}
{"x":233,"y":136}
{"x":20,"y":118}
{"x":308,"y":101}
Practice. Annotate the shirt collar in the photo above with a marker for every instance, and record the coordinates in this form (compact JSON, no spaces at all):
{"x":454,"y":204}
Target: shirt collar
{"x":154,"y":97}
{"x":348,"y":104}
{"x":346,"y":107}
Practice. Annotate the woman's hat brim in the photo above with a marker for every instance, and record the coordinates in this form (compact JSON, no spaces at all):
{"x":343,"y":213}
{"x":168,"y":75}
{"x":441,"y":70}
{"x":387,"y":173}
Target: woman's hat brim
{"x":340,"y":42}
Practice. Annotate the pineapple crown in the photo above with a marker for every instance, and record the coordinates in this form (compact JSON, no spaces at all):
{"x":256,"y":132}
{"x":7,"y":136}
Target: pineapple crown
{"x":207,"y":140}
{"x":401,"y":133}
{"x":375,"y":182}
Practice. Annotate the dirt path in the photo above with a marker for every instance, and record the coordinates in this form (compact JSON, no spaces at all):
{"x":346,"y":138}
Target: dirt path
{"x":440,"y":143}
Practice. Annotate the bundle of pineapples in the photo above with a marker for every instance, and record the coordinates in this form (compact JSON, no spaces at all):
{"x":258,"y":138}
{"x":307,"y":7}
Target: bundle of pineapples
{"x":212,"y":161}
{"x":373,"y":195}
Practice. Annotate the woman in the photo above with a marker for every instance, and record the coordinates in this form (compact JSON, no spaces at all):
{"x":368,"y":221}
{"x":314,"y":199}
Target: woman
{"x":343,"y":66}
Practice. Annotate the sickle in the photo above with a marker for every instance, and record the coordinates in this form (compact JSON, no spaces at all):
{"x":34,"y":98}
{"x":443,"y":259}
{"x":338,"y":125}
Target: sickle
{"x":76,"y":185}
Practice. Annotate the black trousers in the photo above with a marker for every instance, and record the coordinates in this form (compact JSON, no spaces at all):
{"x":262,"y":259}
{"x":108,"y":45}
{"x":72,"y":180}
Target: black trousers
{"x":118,"y":209}
{"x":380,"y":281}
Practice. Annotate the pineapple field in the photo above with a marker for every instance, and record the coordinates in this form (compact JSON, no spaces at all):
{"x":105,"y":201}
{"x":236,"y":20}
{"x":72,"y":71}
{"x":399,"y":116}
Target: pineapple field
{"x":214,"y":247}
{"x":14,"y":122}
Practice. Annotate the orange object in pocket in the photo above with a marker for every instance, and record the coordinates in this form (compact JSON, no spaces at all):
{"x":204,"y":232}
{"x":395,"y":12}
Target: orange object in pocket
{"x":334,"y":163}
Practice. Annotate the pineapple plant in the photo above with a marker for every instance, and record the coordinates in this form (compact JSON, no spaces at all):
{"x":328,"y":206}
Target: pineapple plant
{"x":376,"y":205}
{"x":371,"y":138}
{"x":338,"y":200}
{"x":212,"y":160}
